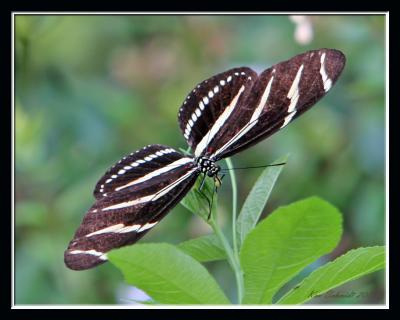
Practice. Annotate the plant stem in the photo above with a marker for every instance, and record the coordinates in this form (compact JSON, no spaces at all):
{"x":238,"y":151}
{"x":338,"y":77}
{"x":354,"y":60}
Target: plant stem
{"x":234,"y":206}
{"x":231,"y":258}
{"x":236,"y":267}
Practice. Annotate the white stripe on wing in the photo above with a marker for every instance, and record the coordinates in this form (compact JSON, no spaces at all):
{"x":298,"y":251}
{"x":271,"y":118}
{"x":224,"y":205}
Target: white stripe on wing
{"x":218,"y":124}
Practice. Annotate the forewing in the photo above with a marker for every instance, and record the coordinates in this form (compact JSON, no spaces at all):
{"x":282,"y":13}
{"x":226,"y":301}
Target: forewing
{"x":129,"y":202}
{"x":208,"y":106}
{"x":281,"y":94}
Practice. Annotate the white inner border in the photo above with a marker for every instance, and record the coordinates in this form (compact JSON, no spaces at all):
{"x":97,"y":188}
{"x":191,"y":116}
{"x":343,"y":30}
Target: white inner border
{"x":44,"y":306}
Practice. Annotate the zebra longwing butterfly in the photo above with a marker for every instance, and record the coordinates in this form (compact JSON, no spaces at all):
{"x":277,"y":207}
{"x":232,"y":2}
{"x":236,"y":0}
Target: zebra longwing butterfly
{"x":222,"y":115}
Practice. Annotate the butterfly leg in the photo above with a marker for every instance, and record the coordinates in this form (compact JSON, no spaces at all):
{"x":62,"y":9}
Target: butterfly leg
{"x":202,"y":181}
{"x":219,"y":179}
{"x":215,"y":191}
{"x":206,"y":198}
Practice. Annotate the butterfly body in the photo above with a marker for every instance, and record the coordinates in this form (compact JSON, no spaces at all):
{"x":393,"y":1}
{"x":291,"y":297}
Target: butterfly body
{"x":208,"y":166}
{"x":220,"y":117}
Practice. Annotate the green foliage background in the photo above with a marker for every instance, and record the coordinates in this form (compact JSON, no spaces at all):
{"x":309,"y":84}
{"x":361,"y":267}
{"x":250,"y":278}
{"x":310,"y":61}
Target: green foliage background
{"x":91,"y":89}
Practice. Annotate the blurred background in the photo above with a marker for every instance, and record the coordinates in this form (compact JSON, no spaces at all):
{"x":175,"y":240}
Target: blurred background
{"x":91,"y":89}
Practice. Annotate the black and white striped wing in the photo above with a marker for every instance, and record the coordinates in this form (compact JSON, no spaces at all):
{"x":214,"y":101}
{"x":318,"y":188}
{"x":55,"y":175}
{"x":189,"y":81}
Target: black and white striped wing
{"x":208,"y":107}
{"x":131,"y":198}
{"x":269,"y":101}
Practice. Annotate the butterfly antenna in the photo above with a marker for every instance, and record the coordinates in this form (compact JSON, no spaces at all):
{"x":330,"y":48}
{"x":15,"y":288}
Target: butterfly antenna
{"x":255,"y":167}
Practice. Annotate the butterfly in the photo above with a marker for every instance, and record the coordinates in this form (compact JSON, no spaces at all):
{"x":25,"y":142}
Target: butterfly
{"x":220,"y":117}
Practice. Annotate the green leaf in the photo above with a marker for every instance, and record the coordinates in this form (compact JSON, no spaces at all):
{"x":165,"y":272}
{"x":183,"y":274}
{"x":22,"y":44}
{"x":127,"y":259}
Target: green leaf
{"x":197,"y":203}
{"x":167,"y":274}
{"x":284,"y":243}
{"x":186,"y":151}
{"x":350,"y":266}
{"x":256,"y":200}
{"x":205,"y":248}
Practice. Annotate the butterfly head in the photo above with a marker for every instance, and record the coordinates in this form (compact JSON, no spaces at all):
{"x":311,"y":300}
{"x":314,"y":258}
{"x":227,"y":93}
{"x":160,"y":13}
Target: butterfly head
{"x":208,"y":166}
